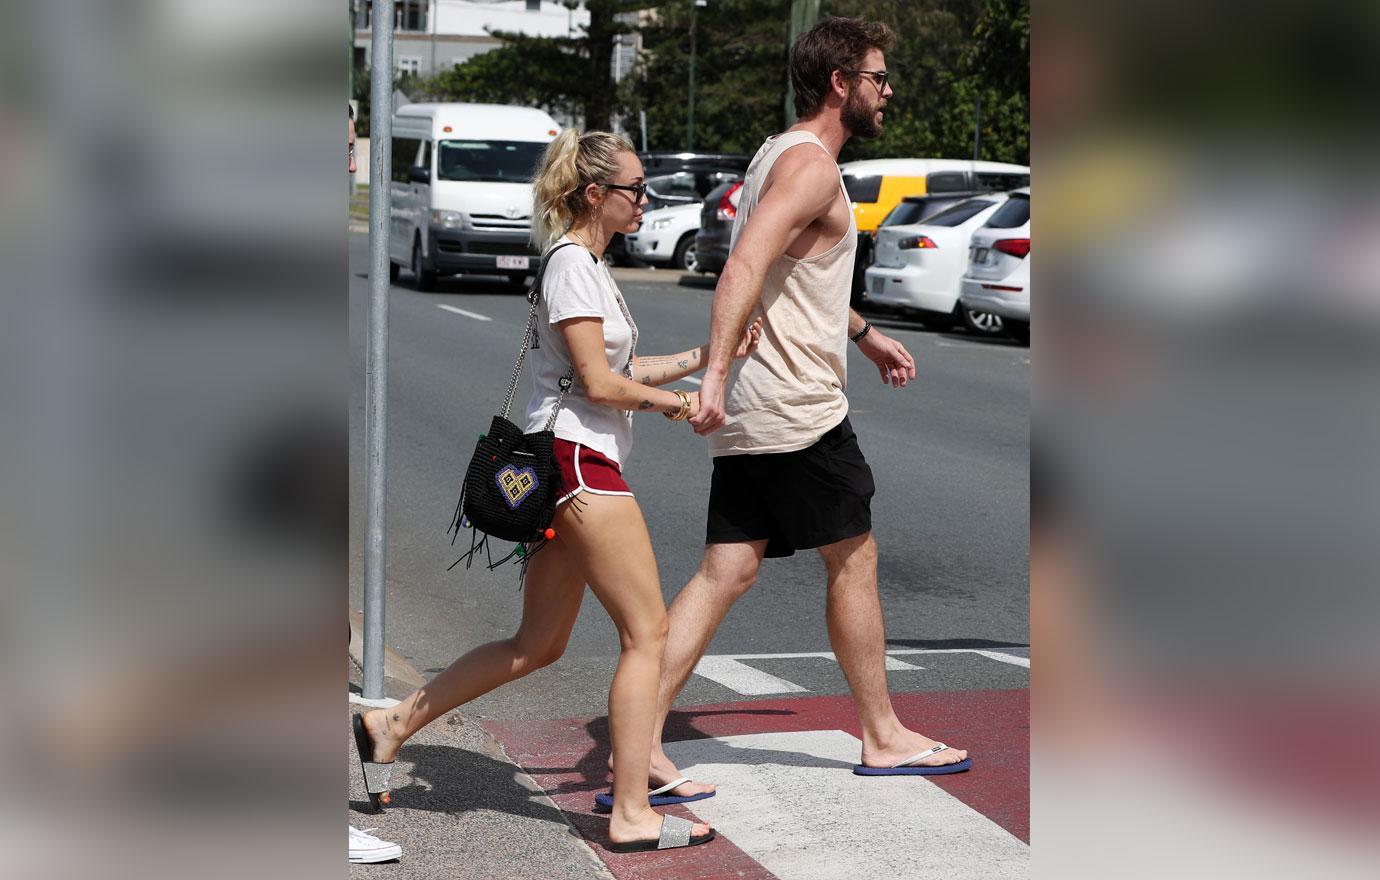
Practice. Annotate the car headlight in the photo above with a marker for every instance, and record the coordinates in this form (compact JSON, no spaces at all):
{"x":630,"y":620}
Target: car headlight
{"x":448,"y":219}
{"x":661,"y":224}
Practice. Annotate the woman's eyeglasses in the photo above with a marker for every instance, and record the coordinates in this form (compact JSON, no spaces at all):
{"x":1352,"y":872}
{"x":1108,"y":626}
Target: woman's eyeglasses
{"x":637,"y":189}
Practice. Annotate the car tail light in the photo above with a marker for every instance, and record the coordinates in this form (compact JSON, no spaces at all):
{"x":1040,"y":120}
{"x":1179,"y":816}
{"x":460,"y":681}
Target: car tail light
{"x":912,"y":242}
{"x":728,"y":209}
{"x":1016,"y":247}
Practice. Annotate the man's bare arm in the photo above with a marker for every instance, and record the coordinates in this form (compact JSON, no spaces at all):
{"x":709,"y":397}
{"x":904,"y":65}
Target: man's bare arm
{"x":803,"y":186}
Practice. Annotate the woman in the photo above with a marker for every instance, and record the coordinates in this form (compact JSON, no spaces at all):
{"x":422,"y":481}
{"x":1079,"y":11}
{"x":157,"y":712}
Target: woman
{"x":588,"y":188}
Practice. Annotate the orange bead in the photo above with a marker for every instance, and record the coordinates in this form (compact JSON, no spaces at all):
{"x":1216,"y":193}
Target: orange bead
{"x":550,"y":534}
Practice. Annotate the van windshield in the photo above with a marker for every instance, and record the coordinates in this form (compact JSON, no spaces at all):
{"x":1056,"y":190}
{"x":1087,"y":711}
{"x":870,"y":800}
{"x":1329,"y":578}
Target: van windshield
{"x":502,"y":161}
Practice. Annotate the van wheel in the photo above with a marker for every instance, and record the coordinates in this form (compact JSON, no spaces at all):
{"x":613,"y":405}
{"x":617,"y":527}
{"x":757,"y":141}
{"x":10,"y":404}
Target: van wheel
{"x":981,"y":323}
{"x":394,"y":270}
{"x":422,"y":279}
{"x":685,"y":254}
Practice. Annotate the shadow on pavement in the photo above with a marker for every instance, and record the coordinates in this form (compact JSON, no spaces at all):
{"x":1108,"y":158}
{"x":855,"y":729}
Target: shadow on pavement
{"x":699,"y":282}
{"x":450,"y":780}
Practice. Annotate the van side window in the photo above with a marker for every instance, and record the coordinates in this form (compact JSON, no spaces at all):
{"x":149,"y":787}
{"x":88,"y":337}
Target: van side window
{"x":946,"y":182}
{"x":1000,"y":181}
{"x":404,"y":157}
{"x":864,"y":190}
{"x":426,"y":156}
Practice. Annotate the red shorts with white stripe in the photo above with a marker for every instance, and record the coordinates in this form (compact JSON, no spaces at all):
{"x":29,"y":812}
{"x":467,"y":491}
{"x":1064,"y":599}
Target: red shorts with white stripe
{"x":586,"y":470}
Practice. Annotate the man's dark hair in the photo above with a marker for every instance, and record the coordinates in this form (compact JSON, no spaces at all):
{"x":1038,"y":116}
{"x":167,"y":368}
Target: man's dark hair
{"x":833,"y":44}
{"x":352,"y":110}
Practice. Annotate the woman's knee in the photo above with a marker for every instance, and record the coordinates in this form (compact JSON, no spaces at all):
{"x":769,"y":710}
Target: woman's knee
{"x":648,"y":633}
{"x":532,"y":654}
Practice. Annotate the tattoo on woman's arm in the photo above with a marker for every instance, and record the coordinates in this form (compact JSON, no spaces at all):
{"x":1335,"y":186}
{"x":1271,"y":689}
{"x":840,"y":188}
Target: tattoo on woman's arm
{"x":646,"y":404}
{"x":683,"y":363}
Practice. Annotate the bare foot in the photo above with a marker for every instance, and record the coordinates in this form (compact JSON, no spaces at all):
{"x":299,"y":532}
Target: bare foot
{"x":663,"y":771}
{"x":644,"y":825}
{"x":384,"y":727}
{"x":906,"y":745}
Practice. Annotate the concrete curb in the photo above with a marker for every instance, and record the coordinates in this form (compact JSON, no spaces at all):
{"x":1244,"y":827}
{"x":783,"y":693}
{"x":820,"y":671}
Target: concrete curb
{"x":394,"y":666}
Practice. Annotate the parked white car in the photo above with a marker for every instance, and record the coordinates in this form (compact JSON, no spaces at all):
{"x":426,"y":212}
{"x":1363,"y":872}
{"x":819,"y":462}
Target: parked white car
{"x":667,"y":237}
{"x":917,"y":268}
{"x":998,"y":276}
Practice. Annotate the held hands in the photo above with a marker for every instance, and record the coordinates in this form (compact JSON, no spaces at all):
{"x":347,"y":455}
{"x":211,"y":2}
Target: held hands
{"x":893,"y":361}
{"x":752,"y":336}
{"x":709,"y":406}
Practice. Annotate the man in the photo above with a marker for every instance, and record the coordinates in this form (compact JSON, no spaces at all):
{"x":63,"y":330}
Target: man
{"x":788,"y":473}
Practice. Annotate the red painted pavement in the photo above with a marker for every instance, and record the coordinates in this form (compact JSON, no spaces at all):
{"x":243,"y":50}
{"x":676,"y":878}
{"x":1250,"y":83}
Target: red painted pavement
{"x":569,"y":760}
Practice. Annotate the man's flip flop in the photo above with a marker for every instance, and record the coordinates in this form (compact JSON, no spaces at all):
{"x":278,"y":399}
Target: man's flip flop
{"x":657,"y":797}
{"x":908,"y":768}
{"x":675,"y":833}
{"x":375,"y":774}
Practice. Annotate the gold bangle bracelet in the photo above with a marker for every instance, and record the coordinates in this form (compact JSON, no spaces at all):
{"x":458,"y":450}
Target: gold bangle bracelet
{"x":684,"y":412}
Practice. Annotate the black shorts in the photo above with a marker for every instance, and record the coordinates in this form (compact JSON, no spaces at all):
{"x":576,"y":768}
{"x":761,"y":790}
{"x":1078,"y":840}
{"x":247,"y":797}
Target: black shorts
{"x":794,"y":500}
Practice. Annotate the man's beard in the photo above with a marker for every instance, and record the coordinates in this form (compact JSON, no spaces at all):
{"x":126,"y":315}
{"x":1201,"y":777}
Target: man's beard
{"x":859,"y":117}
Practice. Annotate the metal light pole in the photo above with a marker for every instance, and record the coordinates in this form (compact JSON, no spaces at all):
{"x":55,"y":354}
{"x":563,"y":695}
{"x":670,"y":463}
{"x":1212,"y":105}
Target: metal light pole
{"x":977,"y":126}
{"x":690,"y":123}
{"x":376,"y":371}
{"x":804,"y":14}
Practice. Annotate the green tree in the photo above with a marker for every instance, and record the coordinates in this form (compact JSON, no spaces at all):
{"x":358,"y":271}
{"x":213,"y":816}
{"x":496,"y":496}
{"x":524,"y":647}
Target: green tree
{"x":948,"y":54}
{"x":740,"y":75}
{"x":565,"y":75}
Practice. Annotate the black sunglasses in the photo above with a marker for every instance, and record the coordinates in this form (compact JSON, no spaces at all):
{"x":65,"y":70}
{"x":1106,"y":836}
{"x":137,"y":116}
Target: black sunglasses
{"x":637,"y":189}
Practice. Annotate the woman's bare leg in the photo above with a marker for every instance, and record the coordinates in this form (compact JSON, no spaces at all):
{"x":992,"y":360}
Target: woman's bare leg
{"x":550,"y":604}
{"x":608,"y":539}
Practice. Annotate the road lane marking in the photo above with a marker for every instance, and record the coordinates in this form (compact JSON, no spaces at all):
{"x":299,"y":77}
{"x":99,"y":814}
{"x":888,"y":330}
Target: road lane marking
{"x":691,"y":379}
{"x":732,"y":672}
{"x":475,"y":315}
{"x":743,"y":678}
{"x":790,"y":802}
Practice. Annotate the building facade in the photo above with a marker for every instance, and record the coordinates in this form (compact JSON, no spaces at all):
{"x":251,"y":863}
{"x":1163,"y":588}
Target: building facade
{"x":430,"y":36}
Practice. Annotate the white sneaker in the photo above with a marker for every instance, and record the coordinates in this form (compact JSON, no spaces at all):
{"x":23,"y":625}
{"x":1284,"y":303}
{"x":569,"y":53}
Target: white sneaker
{"x":365,"y":847}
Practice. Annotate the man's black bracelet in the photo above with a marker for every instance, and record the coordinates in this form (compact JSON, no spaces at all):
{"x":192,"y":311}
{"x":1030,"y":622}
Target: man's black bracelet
{"x":867,"y":328}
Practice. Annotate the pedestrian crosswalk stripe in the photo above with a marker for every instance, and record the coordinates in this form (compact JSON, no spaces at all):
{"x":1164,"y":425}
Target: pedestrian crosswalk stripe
{"x":790,"y":802}
{"x":731,"y":670}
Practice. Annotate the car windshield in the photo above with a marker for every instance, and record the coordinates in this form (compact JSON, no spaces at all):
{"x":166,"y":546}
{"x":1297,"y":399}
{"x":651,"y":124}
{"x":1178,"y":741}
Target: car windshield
{"x":1016,"y":212}
{"x":960,"y":213}
{"x":501,"y":161}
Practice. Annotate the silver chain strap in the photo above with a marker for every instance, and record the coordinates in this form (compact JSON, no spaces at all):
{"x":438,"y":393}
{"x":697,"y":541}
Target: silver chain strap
{"x":568,"y":379}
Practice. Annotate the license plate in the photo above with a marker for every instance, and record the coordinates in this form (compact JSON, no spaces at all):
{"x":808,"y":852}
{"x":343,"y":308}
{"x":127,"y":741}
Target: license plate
{"x":512,"y":262}
{"x":980,"y":255}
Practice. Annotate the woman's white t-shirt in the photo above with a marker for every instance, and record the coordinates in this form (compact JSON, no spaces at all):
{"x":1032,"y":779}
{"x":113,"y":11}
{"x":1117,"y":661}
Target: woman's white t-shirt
{"x":576,"y":285}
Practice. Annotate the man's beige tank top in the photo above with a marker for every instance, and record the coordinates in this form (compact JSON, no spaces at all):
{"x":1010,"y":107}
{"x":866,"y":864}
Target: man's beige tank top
{"x":790,"y":393}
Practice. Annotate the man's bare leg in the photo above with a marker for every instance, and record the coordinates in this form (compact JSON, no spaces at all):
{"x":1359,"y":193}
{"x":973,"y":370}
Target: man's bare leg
{"x":725,"y":573}
{"x":858,"y":636}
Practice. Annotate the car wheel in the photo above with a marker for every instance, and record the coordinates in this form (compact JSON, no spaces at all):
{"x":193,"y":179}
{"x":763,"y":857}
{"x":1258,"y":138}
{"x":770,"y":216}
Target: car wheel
{"x":685,"y":254}
{"x":1019,"y":330}
{"x":421,"y":278}
{"x":981,"y":323}
{"x":936,"y":321}
{"x":394,"y":270}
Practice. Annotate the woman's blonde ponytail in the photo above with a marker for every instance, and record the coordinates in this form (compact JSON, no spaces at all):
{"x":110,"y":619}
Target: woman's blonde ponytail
{"x":572,"y":162}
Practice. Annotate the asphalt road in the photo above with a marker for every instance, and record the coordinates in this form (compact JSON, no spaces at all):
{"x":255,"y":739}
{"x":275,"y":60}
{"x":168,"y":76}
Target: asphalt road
{"x":949,"y":452}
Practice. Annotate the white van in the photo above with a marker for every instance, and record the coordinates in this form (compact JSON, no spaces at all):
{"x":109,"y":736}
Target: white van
{"x":461,"y":189}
